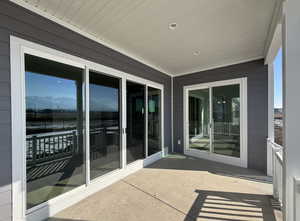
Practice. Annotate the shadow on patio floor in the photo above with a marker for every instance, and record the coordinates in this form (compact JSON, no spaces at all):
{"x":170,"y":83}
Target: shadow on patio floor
{"x":183,"y":162}
{"x":228,"y":206}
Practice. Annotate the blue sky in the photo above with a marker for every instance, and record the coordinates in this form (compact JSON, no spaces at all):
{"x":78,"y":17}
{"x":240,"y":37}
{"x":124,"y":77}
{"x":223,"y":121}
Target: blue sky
{"x":278,"y":80}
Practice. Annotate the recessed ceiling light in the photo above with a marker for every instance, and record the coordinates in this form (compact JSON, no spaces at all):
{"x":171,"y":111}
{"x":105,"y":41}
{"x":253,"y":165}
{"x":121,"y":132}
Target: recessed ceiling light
{"x":196,"y":53}
{"x":173,"y":26}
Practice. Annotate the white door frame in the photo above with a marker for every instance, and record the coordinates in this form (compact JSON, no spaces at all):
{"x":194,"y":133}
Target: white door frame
{"x":243,"y":160}
{"x":18,"y":48}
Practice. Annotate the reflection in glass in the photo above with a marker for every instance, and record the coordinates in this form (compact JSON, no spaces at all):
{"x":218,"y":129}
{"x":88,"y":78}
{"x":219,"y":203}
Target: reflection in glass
{"x":54,"y":144}
{"x":104,"y":124}
{"x":199,"y":131}
{"x":226,"y":120}
{"x":135,"y":121}
{"x":154,"y":121}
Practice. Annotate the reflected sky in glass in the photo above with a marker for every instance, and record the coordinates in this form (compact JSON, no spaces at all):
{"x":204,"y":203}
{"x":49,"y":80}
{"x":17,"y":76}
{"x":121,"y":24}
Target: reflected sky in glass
{"x":49,"y":92}
{"x":106,"y":101}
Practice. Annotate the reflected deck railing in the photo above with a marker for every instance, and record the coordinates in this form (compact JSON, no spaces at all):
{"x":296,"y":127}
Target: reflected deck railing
{"x":226,"y":128}
{"x":46,"y":148}
{"x":277,"y":169}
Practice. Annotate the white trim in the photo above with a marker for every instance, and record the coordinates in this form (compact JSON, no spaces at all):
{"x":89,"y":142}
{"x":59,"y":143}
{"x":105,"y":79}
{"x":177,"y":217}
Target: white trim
{"x":276,"y":19}
{"x":172,"y":114}
{"x":212,"y":67}
{"x":296,"y":198}
{"x":162,"y":124}
{"x":88,"y":35}
{"x":275,"y":45}
{"x":17,"y":103}
{"x":146,"y":120}
{"x":124,"y":123}
{"x":87,"y":124}
{"x":270,"y":117}
{"x":144,"y":81}
{"x":243,"y":160}
{"x":52,"y":55}
{"x":18,"y":49}
{"x":211,"y":135}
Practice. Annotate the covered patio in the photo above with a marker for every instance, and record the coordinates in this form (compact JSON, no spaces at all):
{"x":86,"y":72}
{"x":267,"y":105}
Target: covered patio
{"x":179,"y":187}
{"x":149,"y":110}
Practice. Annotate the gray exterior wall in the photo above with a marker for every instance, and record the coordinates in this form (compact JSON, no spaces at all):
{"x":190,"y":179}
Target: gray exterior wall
{"x":17,"y":21}
{"x":257,"y":74}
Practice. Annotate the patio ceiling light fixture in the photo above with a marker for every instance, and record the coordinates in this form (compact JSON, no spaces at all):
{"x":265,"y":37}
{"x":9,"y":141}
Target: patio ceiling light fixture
{"x":172,"y":26}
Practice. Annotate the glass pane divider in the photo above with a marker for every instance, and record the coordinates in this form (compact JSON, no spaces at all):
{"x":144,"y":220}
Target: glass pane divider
{"x":211,"y":124}
{"x":124,"y":123}
{"x":87,"y":125}
{"x":146,"y":122}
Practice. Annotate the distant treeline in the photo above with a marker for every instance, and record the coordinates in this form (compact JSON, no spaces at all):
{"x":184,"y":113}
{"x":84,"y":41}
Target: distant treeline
{"x":67,"y":115}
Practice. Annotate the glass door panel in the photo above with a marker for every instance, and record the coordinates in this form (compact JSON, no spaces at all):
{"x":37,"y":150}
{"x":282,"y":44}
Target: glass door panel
{"x":226,"y":120}
{"x":135,"y":112}
{"x":54,"y":129}
{"x":154,"y":120}
{"x":104,"y":124}
{"x":199,"y":119}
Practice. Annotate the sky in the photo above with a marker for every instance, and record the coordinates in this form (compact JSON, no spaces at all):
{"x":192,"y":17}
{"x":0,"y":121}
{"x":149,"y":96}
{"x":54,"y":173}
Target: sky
{"x":278,"y":80}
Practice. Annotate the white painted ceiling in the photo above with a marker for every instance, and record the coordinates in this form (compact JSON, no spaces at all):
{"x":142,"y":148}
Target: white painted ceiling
{"x":221,"y":31}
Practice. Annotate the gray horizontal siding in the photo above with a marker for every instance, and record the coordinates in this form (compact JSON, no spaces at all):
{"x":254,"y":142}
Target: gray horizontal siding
{"x":17,"y":21}
{"x":257,"y":74}
{"x":5,"y":133}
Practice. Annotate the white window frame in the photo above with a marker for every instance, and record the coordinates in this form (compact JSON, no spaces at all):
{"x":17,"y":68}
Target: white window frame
{"x":20,"y":47}
{"x":243,"y":160}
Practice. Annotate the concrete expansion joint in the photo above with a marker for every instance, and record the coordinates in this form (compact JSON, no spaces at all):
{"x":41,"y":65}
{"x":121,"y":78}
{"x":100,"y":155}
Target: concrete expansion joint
{"x":154,"y":196}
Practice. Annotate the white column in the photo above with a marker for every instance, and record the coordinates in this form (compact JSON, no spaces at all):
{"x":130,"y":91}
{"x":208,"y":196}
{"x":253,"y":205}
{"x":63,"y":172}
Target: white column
{"x":291,"y":106}
{"x":270,"y":116}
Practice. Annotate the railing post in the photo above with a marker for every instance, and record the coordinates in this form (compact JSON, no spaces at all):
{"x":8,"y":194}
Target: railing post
{"x":34,"y":149}
{"x":275,"y":178}
{"x":74,"y":146}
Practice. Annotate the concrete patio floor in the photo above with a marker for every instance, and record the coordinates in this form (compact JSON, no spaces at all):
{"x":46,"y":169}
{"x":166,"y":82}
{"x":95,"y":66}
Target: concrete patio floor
{"x":181,"y":188}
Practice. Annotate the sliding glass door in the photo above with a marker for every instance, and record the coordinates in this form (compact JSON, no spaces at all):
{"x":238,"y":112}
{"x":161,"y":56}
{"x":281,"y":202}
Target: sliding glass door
{"x":54,"y":129}
{"x":199,"y":119}
{"x":136,"y":122}
{"x":154,"y":120}
{"x":214,"y":120}
{"x":226,"y":120}
{"x":104,"y":121}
